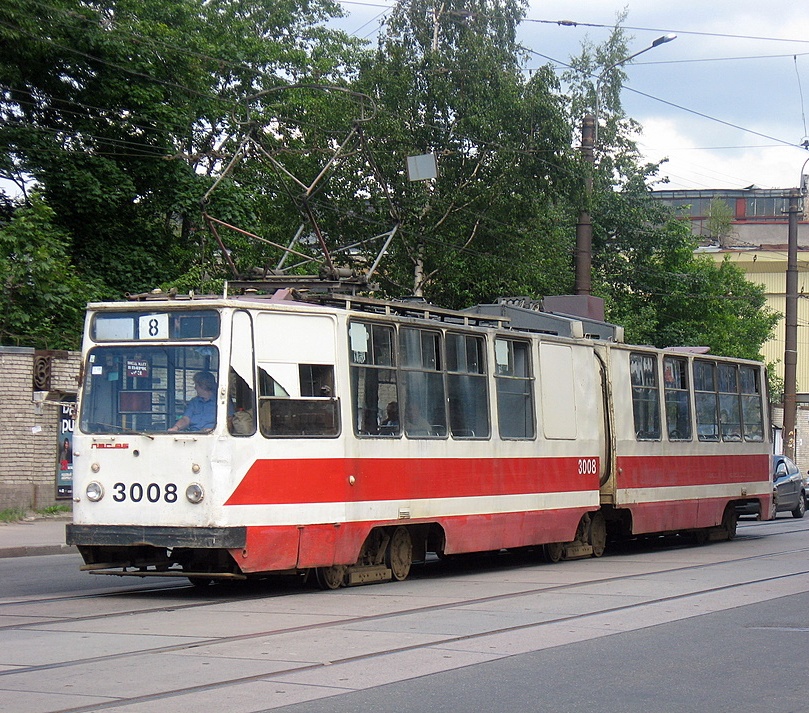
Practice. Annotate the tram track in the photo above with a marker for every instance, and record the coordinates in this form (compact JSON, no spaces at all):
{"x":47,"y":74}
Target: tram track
{"x":442,"y":642}
{"x":243,"y":596}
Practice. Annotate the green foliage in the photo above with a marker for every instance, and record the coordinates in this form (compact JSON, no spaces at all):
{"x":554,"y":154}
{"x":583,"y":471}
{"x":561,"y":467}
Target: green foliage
{"x":127,"y":114}
{"x":663,"y":293}
{"x":643,"y":256}
{"x":720,"y":219}
{"x":775,"y":385}
{"x":12,"y":514}
{"x":122,"y":111}
{"x":448,"y":81}
{"x":54,"y":510}
{"x":42,"y":298}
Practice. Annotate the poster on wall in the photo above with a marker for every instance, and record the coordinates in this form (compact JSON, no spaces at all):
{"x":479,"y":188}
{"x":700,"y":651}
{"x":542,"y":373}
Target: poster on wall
{"x":64,"y":464}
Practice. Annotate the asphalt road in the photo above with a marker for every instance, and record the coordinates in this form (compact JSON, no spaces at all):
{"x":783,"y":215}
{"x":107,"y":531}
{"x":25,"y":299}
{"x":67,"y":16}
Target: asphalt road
{"x":657,"y":629}
{"x":750,"y":659}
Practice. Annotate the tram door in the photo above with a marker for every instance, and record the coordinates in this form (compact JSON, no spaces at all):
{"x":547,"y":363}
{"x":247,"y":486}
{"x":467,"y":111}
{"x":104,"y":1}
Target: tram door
{"x":605,"y":418}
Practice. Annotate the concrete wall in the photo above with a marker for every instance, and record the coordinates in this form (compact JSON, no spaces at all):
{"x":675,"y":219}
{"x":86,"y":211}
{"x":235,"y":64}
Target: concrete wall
{"x":29,"y":430}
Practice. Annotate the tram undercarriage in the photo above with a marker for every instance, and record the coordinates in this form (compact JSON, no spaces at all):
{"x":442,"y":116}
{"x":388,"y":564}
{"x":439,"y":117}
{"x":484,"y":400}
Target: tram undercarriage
{"x":207,"y":555}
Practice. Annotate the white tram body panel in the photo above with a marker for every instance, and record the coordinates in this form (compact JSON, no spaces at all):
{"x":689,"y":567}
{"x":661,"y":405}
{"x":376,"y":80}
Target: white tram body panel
{"x":337,"y":428}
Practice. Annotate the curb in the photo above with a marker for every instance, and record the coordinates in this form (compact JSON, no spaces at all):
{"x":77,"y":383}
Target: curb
{"x":37,"y":550}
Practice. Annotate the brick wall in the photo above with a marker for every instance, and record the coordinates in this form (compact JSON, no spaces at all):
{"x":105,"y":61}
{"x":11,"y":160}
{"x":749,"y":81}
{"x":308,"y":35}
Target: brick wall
{"x":28,"y":430}
{"x":801,"y":433}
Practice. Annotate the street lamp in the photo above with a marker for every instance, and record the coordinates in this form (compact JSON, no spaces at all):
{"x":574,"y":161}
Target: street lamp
{"x":584,"y":227}
{"x":659,"y":41}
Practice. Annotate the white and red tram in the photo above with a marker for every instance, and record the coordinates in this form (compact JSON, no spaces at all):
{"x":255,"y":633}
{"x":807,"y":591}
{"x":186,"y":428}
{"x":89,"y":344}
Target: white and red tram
{"x":354,"y":436}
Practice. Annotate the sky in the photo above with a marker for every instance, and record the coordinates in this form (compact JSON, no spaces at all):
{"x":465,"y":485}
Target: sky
{"x":726,"y":102}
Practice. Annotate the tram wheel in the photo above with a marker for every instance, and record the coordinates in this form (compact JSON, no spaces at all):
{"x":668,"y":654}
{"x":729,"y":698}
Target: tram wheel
{"x":330,"y":577}
{"x":553,"y":551}
{"x":598,"y":534}
{"x":399,"y":555}
{"x":729,"y":521}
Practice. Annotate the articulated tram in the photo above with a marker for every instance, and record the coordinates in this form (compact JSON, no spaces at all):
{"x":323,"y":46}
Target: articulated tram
{"x":238,"y":436}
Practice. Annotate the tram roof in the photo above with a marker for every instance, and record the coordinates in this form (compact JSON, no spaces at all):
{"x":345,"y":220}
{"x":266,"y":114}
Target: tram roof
{"x":520,"y":313}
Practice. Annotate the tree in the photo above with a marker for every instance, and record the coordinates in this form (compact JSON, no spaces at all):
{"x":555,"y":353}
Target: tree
{"x":448,"y":80}
{"x":122,"y":113}
{"x":665,"y":295}
{"x":720,"y":220}
{"x":42,"y":299}
{"x":643,"y":255}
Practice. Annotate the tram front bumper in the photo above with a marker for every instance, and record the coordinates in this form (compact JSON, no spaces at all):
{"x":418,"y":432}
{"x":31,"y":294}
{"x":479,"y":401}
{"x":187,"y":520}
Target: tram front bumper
{"x":154,"y":536}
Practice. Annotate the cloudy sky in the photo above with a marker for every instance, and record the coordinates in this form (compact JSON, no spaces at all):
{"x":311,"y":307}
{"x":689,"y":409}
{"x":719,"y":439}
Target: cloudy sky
{"x":726,"y":102}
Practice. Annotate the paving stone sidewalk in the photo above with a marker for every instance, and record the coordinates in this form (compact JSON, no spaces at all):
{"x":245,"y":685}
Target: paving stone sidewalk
{"x":34,"y":536}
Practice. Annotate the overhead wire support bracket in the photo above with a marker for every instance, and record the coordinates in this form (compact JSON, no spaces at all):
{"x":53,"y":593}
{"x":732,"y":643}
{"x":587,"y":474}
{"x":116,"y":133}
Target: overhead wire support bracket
{"x":252,"y":143}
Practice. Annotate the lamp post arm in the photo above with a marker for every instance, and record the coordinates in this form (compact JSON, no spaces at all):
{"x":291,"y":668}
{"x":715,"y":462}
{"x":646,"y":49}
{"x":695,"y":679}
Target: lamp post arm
{"x":659,"y":41}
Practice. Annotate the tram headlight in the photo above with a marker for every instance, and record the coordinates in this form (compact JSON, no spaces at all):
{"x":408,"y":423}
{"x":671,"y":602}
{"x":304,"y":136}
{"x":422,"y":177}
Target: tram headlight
{"x":94,"y":491}
{"x":194,"y":493}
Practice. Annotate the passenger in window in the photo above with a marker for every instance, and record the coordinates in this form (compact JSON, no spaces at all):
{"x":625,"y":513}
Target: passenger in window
{"x":389,"y":425}
{"x":391,"y":414}
{"x":200,"y":413}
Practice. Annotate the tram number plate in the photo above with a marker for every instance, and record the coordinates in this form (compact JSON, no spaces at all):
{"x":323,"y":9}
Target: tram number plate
{"x":152,"y":493}
{"x":588,"y":466}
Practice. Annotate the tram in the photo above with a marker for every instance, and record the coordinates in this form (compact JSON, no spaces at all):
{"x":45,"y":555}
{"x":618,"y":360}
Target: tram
{"x":347,"y":437}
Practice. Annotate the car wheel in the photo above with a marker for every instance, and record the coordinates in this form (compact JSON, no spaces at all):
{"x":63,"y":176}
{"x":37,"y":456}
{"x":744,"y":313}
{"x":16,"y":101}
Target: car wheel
{"x":801,"y":508}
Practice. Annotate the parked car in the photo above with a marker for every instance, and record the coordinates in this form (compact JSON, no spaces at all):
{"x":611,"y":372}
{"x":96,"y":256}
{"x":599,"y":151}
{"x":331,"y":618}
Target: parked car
{"x":806,"y":490}
{"x":789,"y":490}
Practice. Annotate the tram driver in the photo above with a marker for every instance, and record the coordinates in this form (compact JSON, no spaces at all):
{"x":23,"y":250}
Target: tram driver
{"x":200,"y":412}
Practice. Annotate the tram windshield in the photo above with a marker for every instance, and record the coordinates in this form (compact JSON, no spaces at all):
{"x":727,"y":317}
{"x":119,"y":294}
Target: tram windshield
{"x":141,"y":388}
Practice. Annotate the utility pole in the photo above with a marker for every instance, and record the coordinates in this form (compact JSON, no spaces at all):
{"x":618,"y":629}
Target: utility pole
{"x":791,"y":326}
{"x":589,"y":138}
{"x":584,"y":228}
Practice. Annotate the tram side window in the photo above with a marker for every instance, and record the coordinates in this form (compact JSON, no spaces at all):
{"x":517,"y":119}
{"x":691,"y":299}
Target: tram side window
{"x":645,"y":396}
{"x":422,"y":383}
{"x":466,"y":386}
{"x":282,"y":415}
{"x":515,"y":389}
{"x":241,"y":410}
{"x":374,"y":387}
{"x":752,"y":416}
{"x":706,"y":399}
{"x":678,"y":405}
{"x":730,"y":418}
{"x":241,"y":406}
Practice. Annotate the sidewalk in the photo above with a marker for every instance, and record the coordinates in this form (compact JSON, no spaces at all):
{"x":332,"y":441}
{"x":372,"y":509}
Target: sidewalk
{"x":38,"y":536}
